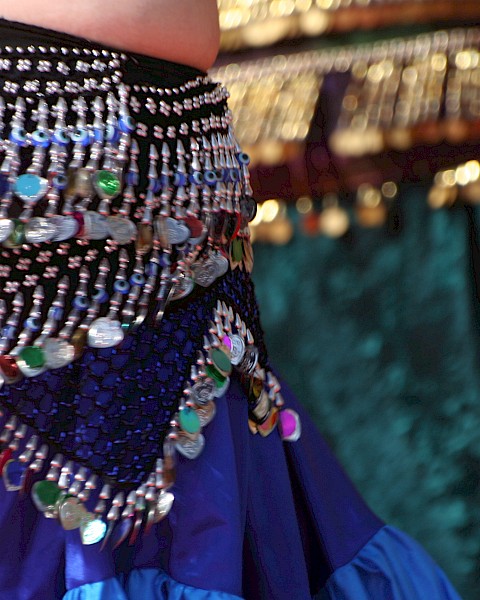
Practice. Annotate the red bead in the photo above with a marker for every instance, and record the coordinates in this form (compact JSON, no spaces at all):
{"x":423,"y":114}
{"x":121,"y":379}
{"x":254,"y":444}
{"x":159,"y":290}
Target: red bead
{"x":195,"y":226}
{"x":238,"y":216}
{"x":77,"y":215}
{"x":5,"y":456}
{"x":9,"y":369}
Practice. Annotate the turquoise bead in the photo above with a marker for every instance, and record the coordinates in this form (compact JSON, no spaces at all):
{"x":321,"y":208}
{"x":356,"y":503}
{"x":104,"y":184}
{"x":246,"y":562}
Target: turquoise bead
{"x":189,"y":420}
{"x":30,"y":188}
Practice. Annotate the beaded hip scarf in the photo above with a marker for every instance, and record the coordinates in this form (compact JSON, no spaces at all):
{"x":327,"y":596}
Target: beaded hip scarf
{"x":125,"y":296}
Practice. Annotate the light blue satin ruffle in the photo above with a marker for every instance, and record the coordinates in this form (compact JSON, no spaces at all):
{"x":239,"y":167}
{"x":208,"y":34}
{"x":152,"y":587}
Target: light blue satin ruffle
{"x":392,"y":566}
{"x":144,"y":584}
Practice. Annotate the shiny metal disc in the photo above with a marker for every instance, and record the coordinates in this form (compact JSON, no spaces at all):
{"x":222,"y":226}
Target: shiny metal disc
{"x":105,"y":333}
{"x":205,"y":273}
{"x":237,"y":350}
{"x":202,"y":392}
{"x":71,"y":513}
{"x":92,"y":530}
{"x":6,"y":228}
{"x":177,"y":231}
{"x":183,"y":287}
{"x":121,"y":229}
{"x":65,"y":228}
{"x":206,"y":413}
{"x":163,"y":506}
{"x":96,"y":226}
{"x":39,"y":229}
{"x":58,"y":353}
{"x":190,"y":448}
{"x":249,"y":360}
{"x":222,"y":264}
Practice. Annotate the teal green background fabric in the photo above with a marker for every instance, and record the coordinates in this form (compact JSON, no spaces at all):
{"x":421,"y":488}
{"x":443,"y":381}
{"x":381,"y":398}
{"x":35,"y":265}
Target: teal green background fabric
{"x":379,"y":336}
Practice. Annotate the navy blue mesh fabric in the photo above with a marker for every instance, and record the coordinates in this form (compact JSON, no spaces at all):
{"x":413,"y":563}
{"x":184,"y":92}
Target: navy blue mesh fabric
{"x":110,"y":409}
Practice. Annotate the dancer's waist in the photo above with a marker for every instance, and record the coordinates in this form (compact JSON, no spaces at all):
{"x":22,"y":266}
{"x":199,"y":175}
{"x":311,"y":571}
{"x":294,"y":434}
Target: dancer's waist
{"x":19,"y":38}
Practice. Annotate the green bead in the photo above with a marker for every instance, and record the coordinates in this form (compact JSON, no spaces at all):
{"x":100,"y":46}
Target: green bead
{"x":107,"y":184}
{"x":45,"y":495}
{"x":33,"y":356}
{"x":221,"y":362}
{"x":217,"y":377}
{"x":237,"y":250}
{"x":17,"y":237}
{"x":189,"y":420}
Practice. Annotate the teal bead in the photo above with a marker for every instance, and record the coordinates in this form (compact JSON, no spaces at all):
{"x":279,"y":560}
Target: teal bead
{"x":30,"y":188}
{"x":189,"y":420}
{"x":221,"y":362}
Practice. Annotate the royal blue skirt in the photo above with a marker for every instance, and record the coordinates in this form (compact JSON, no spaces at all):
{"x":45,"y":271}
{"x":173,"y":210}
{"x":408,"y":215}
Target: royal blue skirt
{"x":252,"y":518}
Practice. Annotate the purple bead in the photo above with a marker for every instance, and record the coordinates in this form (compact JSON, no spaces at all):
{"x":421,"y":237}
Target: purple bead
{"x":179,"y":179}
{"x":80,"y":303}
{"x":55,"y":312}
{"x":121,"y":286}
{"x":113,"y":134}
{"x":33,"y":323}
{"x":98,"y":135}
{"x":9,"y":332}
{"x":243,"y":158}
{"x":137,"y":279}
{"x":164,"y":261}
{"x":100,"y":296}
{"x":164,"y":181}
{"x":60,"y":136}
{"x":14,"y":472}
{"x":41,"y":138}
{"x":210,"y":178}
{"x":126,"y":124}
{"x":18,"y":136}
{"x":132,"y":178}
{"x":196,"y":178}
{"x":4,"y":184}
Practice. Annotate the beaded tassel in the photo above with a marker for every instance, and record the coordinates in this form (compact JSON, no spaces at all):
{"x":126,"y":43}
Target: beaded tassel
{"x":11,"y":163}
{"x":132,"y":180}
{"x":56,"y":173}
{"x":167,"y":189}
{"x":9,"y":331}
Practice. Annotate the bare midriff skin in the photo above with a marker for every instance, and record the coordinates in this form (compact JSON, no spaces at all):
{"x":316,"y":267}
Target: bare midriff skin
{"x":183,"y":31}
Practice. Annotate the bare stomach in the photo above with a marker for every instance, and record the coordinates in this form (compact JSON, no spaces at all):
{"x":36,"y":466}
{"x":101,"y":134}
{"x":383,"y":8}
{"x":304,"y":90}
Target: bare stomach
{"x":184,"y":31}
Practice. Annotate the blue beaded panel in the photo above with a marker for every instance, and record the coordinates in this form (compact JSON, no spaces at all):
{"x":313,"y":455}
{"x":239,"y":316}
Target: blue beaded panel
{"x":110,"y":409}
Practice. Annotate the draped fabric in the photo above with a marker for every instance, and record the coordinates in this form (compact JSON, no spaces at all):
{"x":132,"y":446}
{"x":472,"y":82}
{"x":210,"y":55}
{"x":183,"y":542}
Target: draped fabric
{"x":383,"y":350}
{"x":390,"y":566}
{"x":253,"y":518}
{"x":147,"y":584}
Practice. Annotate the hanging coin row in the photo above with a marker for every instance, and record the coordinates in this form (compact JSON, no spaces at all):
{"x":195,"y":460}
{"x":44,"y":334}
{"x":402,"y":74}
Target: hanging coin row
{"x":191,"y":224}
{"x":63,"y":493}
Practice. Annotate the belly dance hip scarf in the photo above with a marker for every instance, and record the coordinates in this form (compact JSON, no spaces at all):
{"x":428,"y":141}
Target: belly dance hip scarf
{"x":125,"y":296}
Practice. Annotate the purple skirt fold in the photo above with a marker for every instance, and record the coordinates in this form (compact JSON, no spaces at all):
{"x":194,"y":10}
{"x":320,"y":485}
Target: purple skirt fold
{"x":253,"y":518}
